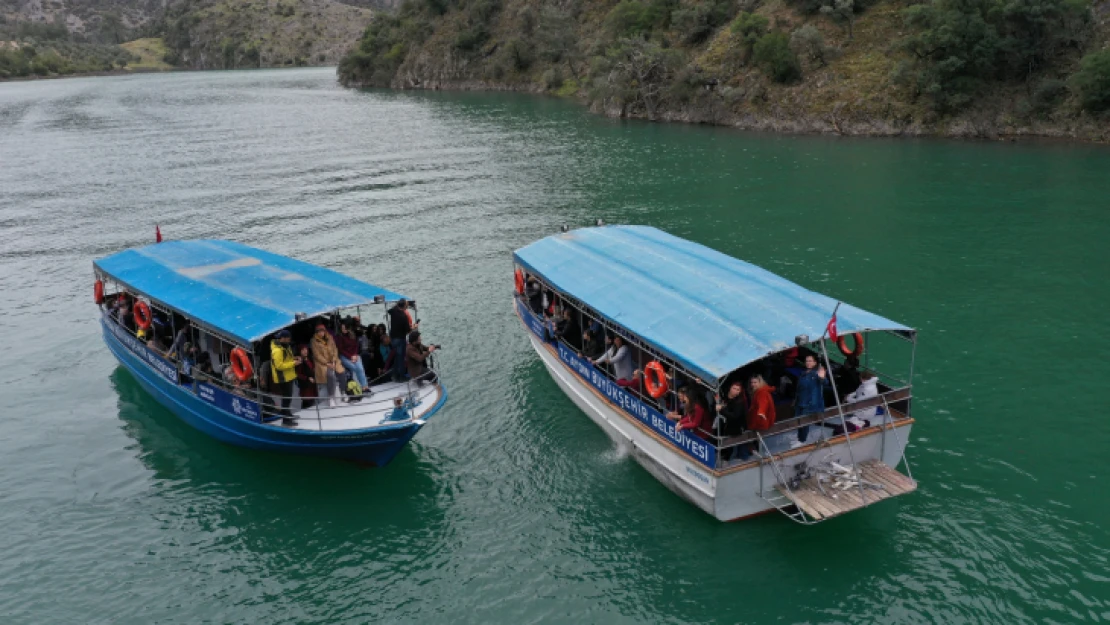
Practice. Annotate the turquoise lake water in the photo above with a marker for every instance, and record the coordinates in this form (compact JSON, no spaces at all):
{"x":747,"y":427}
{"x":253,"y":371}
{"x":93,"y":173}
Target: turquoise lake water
{"x":511,"y":506}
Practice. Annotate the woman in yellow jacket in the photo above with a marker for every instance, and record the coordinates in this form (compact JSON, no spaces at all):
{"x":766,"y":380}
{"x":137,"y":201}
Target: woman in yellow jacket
{"x":283,"y":370}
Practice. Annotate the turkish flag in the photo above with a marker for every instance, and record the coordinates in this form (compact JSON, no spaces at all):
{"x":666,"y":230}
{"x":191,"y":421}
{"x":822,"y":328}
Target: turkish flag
{"x":831,"y":328}
{"x":157,"y":234}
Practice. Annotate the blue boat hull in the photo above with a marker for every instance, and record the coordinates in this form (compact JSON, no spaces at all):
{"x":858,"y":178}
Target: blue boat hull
{"x":377,"y":446}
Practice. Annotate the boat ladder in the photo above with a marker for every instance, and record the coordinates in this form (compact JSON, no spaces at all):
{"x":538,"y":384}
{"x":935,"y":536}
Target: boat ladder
{"x":776,"y":496}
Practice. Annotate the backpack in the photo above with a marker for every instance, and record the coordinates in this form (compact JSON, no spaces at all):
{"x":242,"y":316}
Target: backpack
{"x":354,"y":390}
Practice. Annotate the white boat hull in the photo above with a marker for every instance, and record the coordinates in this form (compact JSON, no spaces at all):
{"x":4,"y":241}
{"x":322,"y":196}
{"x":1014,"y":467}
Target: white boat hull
{"x":728,"y":493}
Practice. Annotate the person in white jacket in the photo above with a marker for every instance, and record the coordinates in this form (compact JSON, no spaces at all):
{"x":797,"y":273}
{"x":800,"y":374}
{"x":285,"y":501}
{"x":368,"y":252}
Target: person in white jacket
{"x":620,"y":356}
{"x":868,"y":387}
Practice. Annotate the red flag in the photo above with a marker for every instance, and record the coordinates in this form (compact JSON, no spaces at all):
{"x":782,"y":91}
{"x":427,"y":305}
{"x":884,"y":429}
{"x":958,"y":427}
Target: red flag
{"x":831,"y":328}
{"x":157,"y":234}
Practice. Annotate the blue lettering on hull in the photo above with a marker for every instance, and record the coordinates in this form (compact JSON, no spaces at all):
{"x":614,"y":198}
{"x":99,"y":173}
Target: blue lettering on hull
{"x":693,"y":446}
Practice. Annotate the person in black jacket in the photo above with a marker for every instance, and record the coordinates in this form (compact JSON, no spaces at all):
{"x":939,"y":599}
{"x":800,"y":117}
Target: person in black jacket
{"x":399,"y":328}
{"x":566,"y":328}
{"x":732,"y":418}
{"x":535,"y":296}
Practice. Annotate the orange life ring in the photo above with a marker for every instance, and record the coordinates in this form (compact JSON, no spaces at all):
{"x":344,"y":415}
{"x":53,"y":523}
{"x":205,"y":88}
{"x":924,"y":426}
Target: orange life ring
{"x":98,"y":292}
{"x":655,"y":379}
{"x":842,"y":343}
{"x":142,"y":315}
{"x":241,"y":364}
{"x":518,"y":278}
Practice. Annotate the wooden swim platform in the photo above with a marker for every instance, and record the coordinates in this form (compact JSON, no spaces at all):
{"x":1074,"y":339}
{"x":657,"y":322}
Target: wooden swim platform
{"x":819,"y":506}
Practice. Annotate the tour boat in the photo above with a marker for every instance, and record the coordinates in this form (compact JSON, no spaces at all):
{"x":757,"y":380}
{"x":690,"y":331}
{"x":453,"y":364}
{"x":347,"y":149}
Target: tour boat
{"x":235,"y":298}
{"x":695,"y":316}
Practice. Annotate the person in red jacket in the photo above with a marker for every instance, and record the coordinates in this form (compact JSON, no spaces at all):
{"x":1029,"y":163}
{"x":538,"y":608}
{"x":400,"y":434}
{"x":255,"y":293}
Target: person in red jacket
{"x":695,"y":413}
{"x":761,"y":412}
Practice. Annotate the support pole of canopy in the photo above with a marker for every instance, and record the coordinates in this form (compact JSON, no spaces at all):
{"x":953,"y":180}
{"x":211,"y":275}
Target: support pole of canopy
{"x":840,"y":409}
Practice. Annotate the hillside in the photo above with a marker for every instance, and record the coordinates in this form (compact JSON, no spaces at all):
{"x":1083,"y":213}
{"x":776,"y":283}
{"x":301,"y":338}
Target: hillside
{"x":223,"y":34}
{"x":982,"y":68}
{"x":64,"y":37}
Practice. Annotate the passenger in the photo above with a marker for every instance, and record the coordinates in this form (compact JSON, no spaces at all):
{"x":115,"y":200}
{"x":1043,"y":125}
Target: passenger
{"x":283,"y":370}
{"x":416,"y":359}
{"x":347,"y":343}
{"x":549,"y":326}
{"x":372,"y":360}
{"x":620,"y":357}
{"x":306,"y":378}
{"x":732,"y":419}
{"x":592,"y":349}
{"x":810,"y":398}
{"x":204,"y":365}
{"x":761,"y":410}
{"x":188,"y":359}
{"x":180,"y":339}
{"x":328,"y":367}
{"x":399,"y":328}
{"x":155,"y":342}
{"x":847,"y":377}
{"x":868,"y":387}
{"x":566,"y":328}
{"x":125,"y":318}
{"x":534,"y":293}
{"x":695,"y":415}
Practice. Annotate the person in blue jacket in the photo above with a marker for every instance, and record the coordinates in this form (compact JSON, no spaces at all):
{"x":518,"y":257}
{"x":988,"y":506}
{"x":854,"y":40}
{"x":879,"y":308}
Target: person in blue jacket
{"x":810,"y":397}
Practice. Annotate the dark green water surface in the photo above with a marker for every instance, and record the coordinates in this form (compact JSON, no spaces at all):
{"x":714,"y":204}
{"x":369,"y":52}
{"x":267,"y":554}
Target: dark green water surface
{"x":511,"y":506}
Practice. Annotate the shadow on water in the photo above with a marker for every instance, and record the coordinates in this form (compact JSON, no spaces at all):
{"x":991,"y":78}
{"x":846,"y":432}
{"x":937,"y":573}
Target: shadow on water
{"x":267,"y":495}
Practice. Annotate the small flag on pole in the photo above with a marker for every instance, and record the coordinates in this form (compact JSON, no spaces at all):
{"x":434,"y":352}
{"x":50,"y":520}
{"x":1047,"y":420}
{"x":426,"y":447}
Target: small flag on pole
{"x":157,"y":234}
{"x":831,"y":328}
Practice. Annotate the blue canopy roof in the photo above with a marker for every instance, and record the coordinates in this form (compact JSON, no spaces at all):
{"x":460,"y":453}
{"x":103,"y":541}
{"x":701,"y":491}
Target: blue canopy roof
{"x":707,"y":311}
{"x":244,"y":292}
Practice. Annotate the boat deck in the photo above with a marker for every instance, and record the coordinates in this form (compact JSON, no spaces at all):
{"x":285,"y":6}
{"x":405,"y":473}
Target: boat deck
{"x":820,"y":502}
{"x":371,"y":411}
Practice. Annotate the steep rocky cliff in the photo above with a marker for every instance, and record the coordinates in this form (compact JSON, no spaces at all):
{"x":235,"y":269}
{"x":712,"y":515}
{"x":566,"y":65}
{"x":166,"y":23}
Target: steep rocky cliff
{"x":980,"y":68}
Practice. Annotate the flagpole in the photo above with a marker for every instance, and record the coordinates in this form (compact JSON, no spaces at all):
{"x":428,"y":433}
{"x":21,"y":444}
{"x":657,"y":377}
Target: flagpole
{"x":827,"y":325}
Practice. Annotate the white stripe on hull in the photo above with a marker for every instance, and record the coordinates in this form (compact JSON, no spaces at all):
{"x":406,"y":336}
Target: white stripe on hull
{"x":728,"y":497}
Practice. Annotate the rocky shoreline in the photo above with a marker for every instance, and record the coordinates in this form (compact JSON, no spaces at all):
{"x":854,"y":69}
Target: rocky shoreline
{"x":979,"y":125}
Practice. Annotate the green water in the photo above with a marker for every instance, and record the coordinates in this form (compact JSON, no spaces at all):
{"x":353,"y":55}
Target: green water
{"x":511,"y":506}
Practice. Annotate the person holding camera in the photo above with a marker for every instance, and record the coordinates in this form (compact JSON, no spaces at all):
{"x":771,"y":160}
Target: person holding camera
{"x":416,"y":358}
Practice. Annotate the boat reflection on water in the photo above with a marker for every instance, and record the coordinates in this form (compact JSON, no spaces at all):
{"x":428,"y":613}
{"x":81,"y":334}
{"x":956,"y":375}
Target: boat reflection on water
{"x":267,"y":503}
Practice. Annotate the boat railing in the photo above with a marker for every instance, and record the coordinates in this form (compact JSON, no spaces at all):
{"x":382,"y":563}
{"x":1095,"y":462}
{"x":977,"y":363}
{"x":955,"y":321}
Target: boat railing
{"x":882,"y":400}
{"x":269,"y":404}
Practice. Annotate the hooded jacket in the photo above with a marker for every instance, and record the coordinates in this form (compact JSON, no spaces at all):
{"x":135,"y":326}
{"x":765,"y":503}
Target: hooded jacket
{"x":282,"y":366}
{"x":867,"y":388}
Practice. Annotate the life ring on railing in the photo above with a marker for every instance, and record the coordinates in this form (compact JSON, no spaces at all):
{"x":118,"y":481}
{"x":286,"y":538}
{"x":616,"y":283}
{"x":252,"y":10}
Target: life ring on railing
{"x":241,"y":364}
{"x":655,"y":379}
{"x":98,"y":292}
{"x":842,"y":343}
{"x":142,"y":315}
{"x":518,"y":279}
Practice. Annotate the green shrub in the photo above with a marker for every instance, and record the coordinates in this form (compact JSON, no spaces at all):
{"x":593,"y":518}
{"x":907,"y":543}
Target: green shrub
{"x":747,"y":28}
{"x":696,"y":23}
{"x":808,"y":42}
{"x":630,"y":18}
{"x":773,"y":56}
{"x":470,"y":39}
{"x":1092,"y":81}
